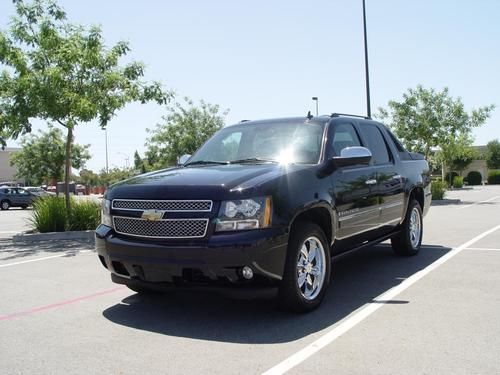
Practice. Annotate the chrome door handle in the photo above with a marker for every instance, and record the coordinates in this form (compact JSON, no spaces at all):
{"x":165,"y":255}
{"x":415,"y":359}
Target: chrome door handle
{"x":371,"y":182}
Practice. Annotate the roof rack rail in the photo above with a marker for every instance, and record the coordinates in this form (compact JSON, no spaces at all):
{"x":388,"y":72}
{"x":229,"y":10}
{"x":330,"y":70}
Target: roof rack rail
{"x":244,"y":121}
{"x":349,"y":115}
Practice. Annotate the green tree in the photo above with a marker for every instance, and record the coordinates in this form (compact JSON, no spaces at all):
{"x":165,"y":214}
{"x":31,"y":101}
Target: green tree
{"x":63,"y":73}
{"x":89,"y":178}
{"x":114,"y":175}
{"x":493,"y":154}
{"x":139,"y":164}
{"x":426,"y":119}
{"x":183,"y":131}
{"x":41,"y":159}
{"x":457,"y":154}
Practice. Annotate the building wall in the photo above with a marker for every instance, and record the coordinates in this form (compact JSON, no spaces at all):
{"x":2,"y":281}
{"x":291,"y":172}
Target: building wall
{"x":477,"y":165}
{"x":7,"y":172}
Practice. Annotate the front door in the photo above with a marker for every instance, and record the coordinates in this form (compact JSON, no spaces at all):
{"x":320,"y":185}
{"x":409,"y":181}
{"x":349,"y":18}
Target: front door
{"x":354,"y":188}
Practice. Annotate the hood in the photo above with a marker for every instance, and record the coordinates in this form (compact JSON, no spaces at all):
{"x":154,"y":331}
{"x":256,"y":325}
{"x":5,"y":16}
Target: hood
{"x":201,"y":182}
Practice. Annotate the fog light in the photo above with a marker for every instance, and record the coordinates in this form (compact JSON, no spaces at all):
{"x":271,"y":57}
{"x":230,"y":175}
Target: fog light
{"x":247,"y":272}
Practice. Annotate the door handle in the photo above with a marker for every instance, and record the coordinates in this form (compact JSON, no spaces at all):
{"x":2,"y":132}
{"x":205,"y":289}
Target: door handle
{"x":371,"y":182}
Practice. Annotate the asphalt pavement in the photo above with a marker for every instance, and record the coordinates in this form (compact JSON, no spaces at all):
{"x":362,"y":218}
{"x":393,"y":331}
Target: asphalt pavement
{"x":436,"y":313}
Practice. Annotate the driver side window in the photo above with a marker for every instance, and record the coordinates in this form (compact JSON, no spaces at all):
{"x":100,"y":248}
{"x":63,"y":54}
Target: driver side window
{"x":344,"y":136}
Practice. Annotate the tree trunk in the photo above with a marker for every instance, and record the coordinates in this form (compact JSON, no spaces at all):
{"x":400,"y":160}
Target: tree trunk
{"x":67,"y":168}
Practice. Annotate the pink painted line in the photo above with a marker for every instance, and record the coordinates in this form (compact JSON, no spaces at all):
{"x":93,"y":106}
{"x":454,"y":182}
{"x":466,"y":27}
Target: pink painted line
{"x":58,"y":304}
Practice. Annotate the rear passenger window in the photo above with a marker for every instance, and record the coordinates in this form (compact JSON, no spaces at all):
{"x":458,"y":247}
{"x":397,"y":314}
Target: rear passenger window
{"x":345,"y":136}
{"x":375,"y":143}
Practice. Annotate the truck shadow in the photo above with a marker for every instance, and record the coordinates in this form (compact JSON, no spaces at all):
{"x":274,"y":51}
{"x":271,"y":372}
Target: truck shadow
{"x":358,"y":279}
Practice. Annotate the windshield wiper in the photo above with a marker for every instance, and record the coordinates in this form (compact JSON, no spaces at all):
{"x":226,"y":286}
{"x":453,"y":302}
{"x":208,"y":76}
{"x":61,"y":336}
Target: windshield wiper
{"x":252,"y":160}
{"x":206,"y":162}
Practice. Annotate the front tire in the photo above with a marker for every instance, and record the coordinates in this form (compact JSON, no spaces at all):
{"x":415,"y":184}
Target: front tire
{"x":5,"y":205}
{"x":307,"y":269}
{"x":409,"y":239}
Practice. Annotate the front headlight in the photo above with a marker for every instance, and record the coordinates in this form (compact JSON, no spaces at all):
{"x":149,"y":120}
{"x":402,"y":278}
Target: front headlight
{"x":106,"y":213}
{"x":244,"y":214}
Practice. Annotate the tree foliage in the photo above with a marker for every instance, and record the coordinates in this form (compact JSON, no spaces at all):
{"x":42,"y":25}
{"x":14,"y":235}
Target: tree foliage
{"x":183,"y":131}
{"x":41,"y":159}
{"x":63,"y":73}
{"x":493,"y":154}
{"x":427,"y":118}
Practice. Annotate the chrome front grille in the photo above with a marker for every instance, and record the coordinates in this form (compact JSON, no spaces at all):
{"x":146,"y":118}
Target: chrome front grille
{"x":165,"y":228}
{"x":163,"y":205}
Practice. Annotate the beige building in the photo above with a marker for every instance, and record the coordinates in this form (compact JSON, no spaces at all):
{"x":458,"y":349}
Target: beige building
{"x":7,"y":172}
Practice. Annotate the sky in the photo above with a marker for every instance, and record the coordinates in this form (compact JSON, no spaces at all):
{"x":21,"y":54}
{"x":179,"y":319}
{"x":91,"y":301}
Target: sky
{"x":266,"y":59}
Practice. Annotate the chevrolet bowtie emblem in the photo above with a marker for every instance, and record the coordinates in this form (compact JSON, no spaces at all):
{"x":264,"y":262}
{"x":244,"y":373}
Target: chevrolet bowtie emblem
{"x":152,"y":215}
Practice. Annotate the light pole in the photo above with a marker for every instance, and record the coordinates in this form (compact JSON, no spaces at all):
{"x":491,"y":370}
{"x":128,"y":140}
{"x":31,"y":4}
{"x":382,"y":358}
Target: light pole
{"x":315,"y":98}
{"x":127,"y":159}
{"x":367,"y":74}
{"x":106,"y":143}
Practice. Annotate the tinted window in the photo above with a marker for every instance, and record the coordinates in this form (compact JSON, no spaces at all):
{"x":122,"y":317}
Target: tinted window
{"x":345,"y":136}
{"x":376,"y":144}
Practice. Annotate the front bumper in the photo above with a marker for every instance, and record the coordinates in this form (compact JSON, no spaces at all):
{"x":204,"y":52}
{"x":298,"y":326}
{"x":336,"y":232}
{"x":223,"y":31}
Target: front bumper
{"x":217,"y":261}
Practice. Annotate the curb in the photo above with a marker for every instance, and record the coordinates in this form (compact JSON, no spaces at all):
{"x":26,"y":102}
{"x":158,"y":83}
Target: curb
{"x":54,"y":236}
{"x":443,"y":202}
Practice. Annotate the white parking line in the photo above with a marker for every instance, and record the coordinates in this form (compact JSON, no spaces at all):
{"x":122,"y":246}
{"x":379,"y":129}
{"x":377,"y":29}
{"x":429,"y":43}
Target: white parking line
{"x":365,"y":311}
{"x":475,"y":203}
{"x":44,"y":258}
{"x":482,"y":249}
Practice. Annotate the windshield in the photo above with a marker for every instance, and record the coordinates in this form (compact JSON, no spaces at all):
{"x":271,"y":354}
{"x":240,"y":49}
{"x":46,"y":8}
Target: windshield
{"x":297,"y":142}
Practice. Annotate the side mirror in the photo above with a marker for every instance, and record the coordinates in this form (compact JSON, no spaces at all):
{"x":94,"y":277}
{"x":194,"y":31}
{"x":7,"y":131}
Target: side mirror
{"x":349,"y":156}
{"x":352,"y":156}
{"x":181,"y":160}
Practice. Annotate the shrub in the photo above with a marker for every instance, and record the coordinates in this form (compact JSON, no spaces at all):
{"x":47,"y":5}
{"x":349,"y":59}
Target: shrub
{"x":449,"y":180}
{"x":474,"y":178}
{"x":85,"y":215}
{"x":49,"y":215}
{"x":458,"y":182}
{"x":494,"y":178}
{"x":438,"y":189}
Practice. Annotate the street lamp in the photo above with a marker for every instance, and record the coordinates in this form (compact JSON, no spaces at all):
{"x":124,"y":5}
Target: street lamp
{"x":367,"y":76}
{"x":127,"y":159}
{"x":315,"y":98}
{"x":106,"y":142}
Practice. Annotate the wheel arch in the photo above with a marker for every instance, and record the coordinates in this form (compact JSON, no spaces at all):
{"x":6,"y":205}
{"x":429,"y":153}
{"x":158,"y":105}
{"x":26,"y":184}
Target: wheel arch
{"x":320,"y":214}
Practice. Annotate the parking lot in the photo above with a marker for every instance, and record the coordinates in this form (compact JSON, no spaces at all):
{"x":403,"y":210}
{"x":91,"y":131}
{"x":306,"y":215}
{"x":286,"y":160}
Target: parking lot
{"x":436,"y":313}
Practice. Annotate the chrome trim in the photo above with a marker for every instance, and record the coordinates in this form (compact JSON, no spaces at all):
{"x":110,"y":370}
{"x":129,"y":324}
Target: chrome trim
{"x":371,"y":182}
{"x":162,"y":201}
{"x":390,"y":205}
{"x":168,"y":237}
{"x":378,"y":208}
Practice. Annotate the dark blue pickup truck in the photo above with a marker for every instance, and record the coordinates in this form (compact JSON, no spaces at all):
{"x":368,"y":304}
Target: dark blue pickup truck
{"x":266,"y":204}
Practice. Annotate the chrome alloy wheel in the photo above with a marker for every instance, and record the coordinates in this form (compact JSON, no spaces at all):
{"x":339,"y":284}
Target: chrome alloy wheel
{"x":311,"y":268}
{"x":415,"y":227}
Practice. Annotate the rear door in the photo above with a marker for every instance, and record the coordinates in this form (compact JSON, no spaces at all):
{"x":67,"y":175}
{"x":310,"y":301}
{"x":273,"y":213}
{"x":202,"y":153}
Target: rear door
{"x":354,"y":188}
{"x":390,"y":193}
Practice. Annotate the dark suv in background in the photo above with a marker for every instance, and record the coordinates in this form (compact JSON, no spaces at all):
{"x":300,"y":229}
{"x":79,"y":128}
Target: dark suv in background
{"x":266,"y":204}
{"x":15,"y":197}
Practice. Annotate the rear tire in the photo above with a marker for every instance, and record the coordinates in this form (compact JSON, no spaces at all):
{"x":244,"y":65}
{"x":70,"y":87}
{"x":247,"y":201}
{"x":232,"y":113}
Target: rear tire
{"x":307,"y":269}
{"x":4,"y":205}
{"x":408,"y":241}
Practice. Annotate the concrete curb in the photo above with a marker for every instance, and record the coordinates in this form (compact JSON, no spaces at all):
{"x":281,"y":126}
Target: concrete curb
{"x":443,"y":202}
{"x":54,"y":236}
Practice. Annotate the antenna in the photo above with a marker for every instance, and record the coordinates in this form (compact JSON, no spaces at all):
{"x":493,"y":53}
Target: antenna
{"x":367,"y":74}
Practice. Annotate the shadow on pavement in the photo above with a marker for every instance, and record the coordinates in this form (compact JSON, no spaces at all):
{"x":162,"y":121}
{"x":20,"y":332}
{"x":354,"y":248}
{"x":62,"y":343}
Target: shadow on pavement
{"x":357,"y":279}
{"x":10,"y":250}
